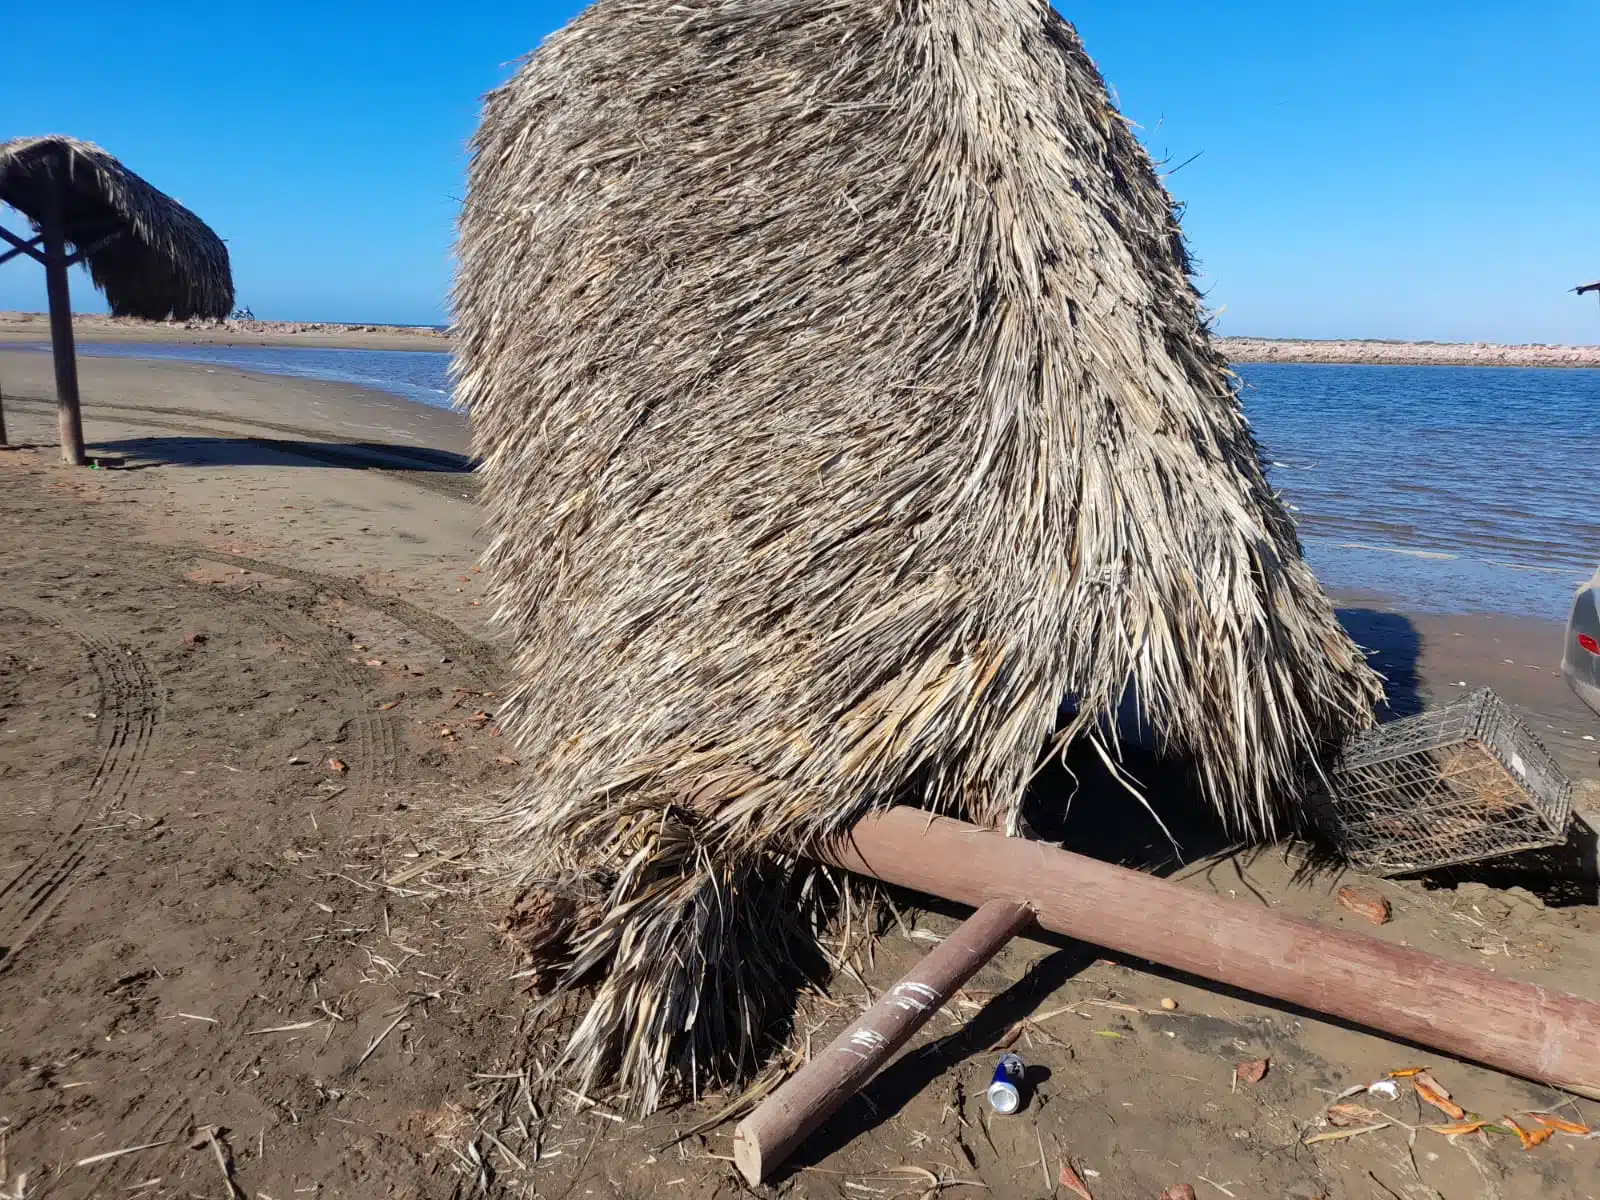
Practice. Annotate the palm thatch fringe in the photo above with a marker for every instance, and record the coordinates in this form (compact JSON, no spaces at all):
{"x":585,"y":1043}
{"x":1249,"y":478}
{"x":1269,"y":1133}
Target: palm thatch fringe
{"x":844,"y":403}
{"x":165,"y":263}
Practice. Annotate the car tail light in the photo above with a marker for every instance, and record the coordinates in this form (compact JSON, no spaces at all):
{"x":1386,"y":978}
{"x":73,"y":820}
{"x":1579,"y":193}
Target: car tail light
{"x":1588,"y":643}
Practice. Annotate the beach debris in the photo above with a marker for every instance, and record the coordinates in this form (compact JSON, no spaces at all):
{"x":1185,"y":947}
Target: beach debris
{"x":1005,"y":1095}
{"x":1365,"y":902}
{"x":1384,"y":1089}
{"x":1178,"y":1191}
{"x":374,"y":662}
{"x":480,"y":718}
{"x":1458,"y":784}
{"x":447,"y":733}
{"x":727,"y":641}
{"x":1457,"y":1128}
{"x":1069,"y":1178}
{"x":211,"y":1136}
{"x":1404,"y":1072}
{"x":1338,"y":1135}
{"x":1529,"y":1137}
{"x":1562,"y":1124}
{"x":765,"y":1138}
{"x":1431,"y":1091}
{"x":1168,"y":1003}
{"x":1345,"y":1116}
{"x":338,"y":766}
{"x":195,"y":639}
{"x":298,"y":760}
{"x":1253,"y":1071}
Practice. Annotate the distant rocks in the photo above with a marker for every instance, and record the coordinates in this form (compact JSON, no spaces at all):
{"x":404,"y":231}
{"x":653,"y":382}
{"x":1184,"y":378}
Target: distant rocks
{"x":1439,"y":354}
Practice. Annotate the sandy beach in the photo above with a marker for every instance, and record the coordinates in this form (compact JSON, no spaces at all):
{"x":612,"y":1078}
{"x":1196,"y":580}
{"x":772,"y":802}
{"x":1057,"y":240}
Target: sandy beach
{"x":248,"y":694}
{"x":18,"y":327}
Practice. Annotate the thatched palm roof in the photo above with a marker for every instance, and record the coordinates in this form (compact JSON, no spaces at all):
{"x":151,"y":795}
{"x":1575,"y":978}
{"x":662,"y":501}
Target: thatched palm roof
{"x":844,"y":403}
{"x":166,"y":262}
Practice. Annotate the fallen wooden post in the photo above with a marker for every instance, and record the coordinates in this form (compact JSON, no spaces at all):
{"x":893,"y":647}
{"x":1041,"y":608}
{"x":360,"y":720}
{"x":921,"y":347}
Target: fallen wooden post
{"x":1526,"y":1030}
{"x":767,"y":1136}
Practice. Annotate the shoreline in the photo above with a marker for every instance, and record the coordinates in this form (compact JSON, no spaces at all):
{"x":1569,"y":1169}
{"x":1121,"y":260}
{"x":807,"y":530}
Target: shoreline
{"x":18,"y":327}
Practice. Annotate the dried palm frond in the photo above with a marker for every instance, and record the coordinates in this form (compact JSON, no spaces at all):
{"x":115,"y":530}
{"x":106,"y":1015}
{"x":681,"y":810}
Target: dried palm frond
{"x":844,"y":403}
{"x":150,"y":255}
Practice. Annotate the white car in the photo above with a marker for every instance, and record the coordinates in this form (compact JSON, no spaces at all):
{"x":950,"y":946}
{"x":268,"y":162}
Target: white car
{"x":1580,"y":659}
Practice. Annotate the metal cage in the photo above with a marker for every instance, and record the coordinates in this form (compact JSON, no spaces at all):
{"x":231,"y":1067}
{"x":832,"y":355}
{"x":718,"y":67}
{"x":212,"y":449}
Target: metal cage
{"x":1457,"y":784}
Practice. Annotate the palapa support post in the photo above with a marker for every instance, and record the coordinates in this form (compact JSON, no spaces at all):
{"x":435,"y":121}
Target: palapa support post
{"x":764,"y":1139}
{"x":68,"y":414}
{"x":3,"y":441}
{"x":1549,"y":1036}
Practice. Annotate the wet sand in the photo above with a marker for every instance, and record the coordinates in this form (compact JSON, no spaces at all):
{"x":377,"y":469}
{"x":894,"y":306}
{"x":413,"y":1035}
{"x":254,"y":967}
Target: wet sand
{"x":247,"y":706}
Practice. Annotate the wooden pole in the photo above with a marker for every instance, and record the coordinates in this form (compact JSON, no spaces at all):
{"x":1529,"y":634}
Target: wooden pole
{"x":1526,"y":1030}
{"x":769,"y":1135}
{"x":68,"y":415}
{"x":3,"y":441}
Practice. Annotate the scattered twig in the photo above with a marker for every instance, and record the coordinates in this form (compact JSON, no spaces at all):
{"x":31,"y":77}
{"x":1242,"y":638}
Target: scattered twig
{"x":110,"y":1154}
{"x":378,"y":1041}
{"x":208,"y":1135}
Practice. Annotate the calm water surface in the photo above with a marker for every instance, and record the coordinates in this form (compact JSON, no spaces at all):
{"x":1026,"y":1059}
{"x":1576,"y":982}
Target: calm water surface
{"x":1444,"y":489}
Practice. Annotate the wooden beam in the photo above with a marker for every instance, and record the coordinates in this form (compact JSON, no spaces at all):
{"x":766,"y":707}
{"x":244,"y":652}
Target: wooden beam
{"x":84,"y":252}
{"x":69,"y":416}
{"x":764,"y":1139}
{"x":20,"y":246}
{"x":1526,"y":1030}
{"x":3,"y":441}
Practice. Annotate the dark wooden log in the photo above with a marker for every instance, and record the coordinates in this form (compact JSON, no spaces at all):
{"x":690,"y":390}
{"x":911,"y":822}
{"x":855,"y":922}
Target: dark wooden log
{"x":20,"y":246}
{"x":3,"y":441}
{"x":770,"y":1134}
{"x":93,"y":248}
{"x":68,"y":414}
{"x":1549,"y":1036}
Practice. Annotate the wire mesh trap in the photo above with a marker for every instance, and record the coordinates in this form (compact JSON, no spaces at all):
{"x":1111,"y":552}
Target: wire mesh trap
{"x":1459,"y":784}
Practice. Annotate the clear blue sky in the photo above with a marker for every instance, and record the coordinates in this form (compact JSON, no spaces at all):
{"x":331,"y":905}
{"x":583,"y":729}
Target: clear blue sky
{"x":1424,"y":169}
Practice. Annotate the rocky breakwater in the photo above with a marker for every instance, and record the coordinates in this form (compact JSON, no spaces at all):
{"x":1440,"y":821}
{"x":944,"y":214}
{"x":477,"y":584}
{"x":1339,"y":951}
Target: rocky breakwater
{"x":1418,"y":354}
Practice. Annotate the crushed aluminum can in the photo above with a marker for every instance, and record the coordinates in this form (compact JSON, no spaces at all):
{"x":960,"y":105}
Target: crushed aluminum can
{"x":1005,"y":1096}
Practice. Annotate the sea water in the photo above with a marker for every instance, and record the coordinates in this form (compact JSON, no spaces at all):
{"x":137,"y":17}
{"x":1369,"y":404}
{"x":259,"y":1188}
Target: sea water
{"x":1440,"y":489}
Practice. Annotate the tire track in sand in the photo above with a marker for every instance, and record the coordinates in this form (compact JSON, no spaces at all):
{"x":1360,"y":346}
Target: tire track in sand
{"x":130,"y":704}
{"x":477,"y":656}
{"x":168,"y":1110}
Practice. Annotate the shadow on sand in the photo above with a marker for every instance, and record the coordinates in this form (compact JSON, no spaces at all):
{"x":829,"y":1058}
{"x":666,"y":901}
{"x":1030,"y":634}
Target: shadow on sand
{"x":141,"y":453}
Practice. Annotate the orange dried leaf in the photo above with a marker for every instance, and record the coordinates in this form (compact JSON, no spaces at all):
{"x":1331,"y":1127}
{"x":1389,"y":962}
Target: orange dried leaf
{"x":1561,"y":1123}
{"x":338,"y":766}
{"x":1458,"y":1128}
{"x":1428,"y":1088}
{"x":1254,"y":1071}
{"x":391,"y":704}
{"x":1530,"y":1137}
{"x":1366,"y":903}
{"x":1405,"y":1072}
{"x":1070,"y":1180}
